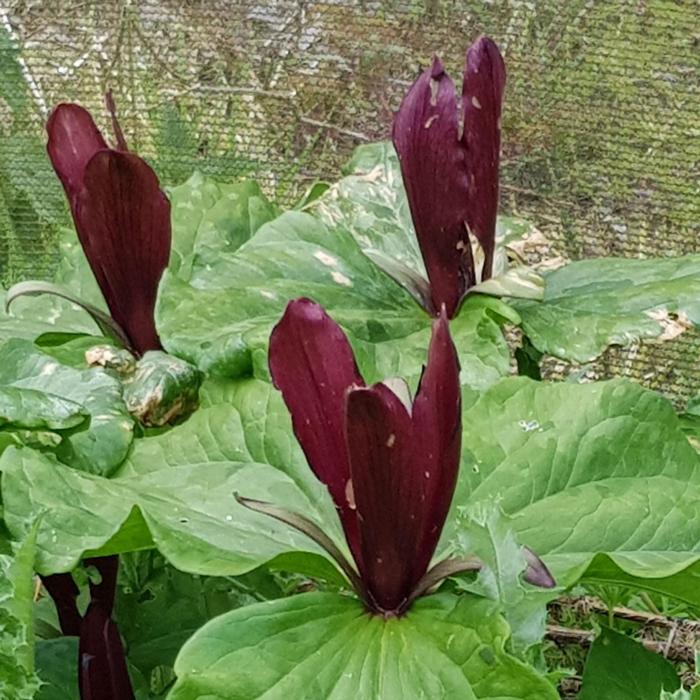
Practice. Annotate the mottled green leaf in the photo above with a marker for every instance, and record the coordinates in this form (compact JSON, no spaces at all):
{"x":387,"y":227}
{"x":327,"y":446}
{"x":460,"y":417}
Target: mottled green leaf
{"x":320,"y":646}
{"x":33,"y":409}
{"x":210,"y":218}
{"x":591,"y":304}
{"x":177,"y":491}
{"x":101,"y":446}
{"x":225,"y":330}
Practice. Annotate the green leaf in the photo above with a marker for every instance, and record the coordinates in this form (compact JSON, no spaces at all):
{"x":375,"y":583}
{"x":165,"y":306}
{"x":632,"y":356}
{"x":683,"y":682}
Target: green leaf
{"x":218,"y":308}
{"x":103,"y":321}
{"x":210,"y":218}
{"x":176,"y":491}
{"x":591,"y":304}
{"x":103,"y":445}
{"x":147,"y":612}
{"x":325,"y":647}
{"x":225,"y":330}
{"x":57,"y":667}
{"x":598,"y":479}
{"x":32,"y":317}
{"x":17,"y":678}
{"x":484,"y":531}
{"x":33,"y":409}
{"x":371,"y":203}
{"x":618,"y":668}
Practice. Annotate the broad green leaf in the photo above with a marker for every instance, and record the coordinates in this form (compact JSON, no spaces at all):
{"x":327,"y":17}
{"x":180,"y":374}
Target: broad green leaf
{"x":371,"y":203}
{"x":101,"y":446}
{"x":34,"y":409}
{"x":17,"y":678}
{"x":217,"y":309}
{"x":591,"y":304}
{"x":177,"y":491}
{"x":34,"y":317}
{"x":598,"y":479}
{"x":619,"y":668}
{"x":57,"y":667}
{"x":210,"y":218}
{"x":320,"y":646}
{"x":102,"y":320}
{"x":225,"y":329}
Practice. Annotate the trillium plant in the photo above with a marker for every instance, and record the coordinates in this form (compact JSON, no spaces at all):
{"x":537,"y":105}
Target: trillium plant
{"x":240,"y":460}
{"x":390,"y":463}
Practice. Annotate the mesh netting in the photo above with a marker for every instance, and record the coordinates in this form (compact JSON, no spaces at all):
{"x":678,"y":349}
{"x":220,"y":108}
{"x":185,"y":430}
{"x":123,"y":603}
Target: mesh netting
{"x":601,"y":140}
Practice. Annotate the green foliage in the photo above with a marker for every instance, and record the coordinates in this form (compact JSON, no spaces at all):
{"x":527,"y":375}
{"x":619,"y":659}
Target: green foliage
{"x":319,"y":646}
{"x":485,"y":532}
{"x":103,"y":444}
{"x":592,"y":304}
{"x":619,"y":668}
{"x":17,"y":678}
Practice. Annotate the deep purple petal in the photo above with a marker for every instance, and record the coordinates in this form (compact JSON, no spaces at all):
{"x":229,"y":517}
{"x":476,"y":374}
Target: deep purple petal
{"x":482,"y":97}
{"x":102,"y":669}
{"x":387,"y":493}
{"x":437,"y":427}
{"x":123,"y":222}
{"x":312,"y":364}
{"x":64,"y":593}
{"x":433,"y":163}
{"x":73,"y":140}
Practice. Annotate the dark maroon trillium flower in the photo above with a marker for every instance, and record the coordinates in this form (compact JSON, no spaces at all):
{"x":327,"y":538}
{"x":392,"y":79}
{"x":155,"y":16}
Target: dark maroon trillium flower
{"x":123,"y":223}
{"x":121,"y":216}
{"x":449,"y":153}
{"x":390,"y":464}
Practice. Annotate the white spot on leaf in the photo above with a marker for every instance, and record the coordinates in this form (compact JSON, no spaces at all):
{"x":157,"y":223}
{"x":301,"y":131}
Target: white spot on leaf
{"x":326,"y":259}
{"x":340,"y":278}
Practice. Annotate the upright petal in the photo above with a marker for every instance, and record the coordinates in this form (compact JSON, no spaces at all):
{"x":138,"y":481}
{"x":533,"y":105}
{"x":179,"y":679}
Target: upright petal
{"x":433,"y":163}
{"x":123,"y":222}
{"x":73,"y":140}
{"x":312,"y":364}
{"x":482,"y":97}
{"x":437,"y":423}
{"x":387,"y":494}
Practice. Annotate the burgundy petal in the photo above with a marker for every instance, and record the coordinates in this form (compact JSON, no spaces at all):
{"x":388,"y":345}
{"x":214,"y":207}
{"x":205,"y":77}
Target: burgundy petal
{"x":437,"y":427}
{"x":64,"y":593}
{"x":387,"y":494}
{"x":433,"y":163}
{"x":312,"y":364}
{"x":103,"y":672}
{"x":123,"y":222}
{"x":482,"y":97}
{"x":73,"y":140}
